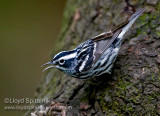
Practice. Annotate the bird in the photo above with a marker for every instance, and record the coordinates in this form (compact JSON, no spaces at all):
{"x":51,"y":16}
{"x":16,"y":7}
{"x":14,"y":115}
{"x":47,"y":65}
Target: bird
{"x":95,"y":56}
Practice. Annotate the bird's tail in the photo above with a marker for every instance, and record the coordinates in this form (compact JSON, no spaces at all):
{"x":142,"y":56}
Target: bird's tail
{"x":130,"y":22}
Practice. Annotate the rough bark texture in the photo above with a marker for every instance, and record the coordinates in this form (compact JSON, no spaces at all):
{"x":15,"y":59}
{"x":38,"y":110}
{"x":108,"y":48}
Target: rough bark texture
{"x":134,"y":86}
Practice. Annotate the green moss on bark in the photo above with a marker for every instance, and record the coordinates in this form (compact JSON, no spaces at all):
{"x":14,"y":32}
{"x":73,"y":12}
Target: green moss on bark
{"x":134,"y":86}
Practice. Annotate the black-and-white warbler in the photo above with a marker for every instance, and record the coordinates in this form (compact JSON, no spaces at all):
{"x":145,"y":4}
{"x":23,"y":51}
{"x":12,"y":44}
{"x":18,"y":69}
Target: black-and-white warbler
{"x":95,"y":56}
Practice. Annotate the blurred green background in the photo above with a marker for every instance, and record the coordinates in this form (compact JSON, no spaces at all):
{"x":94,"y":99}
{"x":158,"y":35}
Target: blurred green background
{"x":28,"y":32}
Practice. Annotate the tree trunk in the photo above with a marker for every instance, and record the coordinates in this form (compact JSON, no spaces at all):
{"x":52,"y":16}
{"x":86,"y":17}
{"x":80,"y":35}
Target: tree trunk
{"x":133,"y":88}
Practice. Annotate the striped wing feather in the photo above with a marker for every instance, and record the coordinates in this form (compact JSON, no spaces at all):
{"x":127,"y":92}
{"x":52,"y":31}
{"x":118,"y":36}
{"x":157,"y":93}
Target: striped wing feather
{"x":103,"y":45}
{"x":105,"y":40}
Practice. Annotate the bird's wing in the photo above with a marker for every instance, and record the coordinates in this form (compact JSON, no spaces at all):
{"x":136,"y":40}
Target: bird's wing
{"x":103,"y":45}
{"x":109,"y":34}
{"x":104,"y":40}
{"x":91,"y":50}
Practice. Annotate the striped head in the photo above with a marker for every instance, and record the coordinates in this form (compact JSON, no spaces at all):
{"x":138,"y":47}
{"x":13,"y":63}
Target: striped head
{"x":64,"y":61}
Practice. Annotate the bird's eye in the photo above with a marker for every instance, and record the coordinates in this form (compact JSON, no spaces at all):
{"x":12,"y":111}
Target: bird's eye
{"x":61,"y":61}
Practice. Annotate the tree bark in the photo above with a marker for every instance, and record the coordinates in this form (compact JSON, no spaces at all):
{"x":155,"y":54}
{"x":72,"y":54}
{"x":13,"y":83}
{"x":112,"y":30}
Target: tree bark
{"x":133,"y":88}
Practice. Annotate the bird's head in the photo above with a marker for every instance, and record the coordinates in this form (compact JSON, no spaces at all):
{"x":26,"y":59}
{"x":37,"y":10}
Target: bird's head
{"x":63,"y":61}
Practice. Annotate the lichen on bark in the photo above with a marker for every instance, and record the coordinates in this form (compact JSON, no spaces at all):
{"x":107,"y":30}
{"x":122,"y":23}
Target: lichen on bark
{"x":133,"y":88}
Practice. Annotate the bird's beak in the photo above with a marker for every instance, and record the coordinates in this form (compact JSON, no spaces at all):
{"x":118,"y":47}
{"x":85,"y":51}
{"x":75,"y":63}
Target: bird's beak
{"x":48,"y":63}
